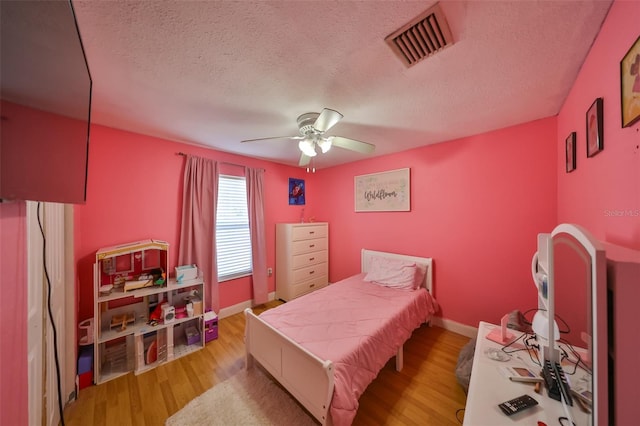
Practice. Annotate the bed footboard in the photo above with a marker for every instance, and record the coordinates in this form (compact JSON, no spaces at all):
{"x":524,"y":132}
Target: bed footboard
{"x":308,"y":378}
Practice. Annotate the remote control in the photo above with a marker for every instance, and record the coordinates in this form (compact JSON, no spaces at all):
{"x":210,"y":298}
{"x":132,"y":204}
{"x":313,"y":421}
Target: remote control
{"x":518,"y":404}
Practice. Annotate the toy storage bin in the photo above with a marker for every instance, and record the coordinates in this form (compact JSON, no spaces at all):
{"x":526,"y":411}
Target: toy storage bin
{"x":85,"y":380}
{"x":85,"y":359}
{"x":85,"y":366}
{"x":210,"y":326}
{"x":186,"y":273}
{"x":192,"y":334}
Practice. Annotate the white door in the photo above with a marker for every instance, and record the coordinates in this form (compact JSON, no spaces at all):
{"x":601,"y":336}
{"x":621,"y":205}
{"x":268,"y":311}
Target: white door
{"x":46,"y":288}
{"x":55,"y":278}
{"x":35,"y":315}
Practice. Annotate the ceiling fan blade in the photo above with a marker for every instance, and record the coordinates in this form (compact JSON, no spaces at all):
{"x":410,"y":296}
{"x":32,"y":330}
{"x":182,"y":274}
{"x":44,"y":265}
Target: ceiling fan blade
{"x":304,"y":160}
{"x":327,"y":119}
{"x":353,"y":145}
{"x":274,"y":138}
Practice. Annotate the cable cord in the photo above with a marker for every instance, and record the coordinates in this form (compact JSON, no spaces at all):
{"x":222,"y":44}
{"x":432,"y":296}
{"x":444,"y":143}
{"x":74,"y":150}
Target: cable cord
{"x":525,"y":337}
{"x":53,"y":325}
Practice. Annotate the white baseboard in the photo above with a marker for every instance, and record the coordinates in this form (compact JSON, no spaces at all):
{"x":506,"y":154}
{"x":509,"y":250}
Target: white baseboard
{"x":456,"y":327}
{"x":240,"y":307}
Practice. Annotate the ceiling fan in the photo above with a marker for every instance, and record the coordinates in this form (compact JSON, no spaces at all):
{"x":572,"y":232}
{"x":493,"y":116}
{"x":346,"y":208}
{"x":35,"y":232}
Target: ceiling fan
{"x":312,"y":127}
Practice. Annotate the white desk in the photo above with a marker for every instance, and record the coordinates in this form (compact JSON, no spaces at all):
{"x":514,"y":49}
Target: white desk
{"x":489,"y":387}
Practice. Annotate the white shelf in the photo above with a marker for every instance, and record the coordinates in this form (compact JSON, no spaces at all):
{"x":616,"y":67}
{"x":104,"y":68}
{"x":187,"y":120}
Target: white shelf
{"x":127,"y":355}
{"x":139,"y":328}
{"x":172,"y":285}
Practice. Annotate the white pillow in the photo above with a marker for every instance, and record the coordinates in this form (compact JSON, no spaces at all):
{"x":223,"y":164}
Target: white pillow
{"x":394,"y":273}
{"x":421,"y":273}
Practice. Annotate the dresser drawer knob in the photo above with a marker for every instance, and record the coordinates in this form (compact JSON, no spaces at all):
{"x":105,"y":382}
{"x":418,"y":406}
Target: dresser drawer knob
{"x":312,"y":232}
{"x":312,"y":245}
{"x":312,"y":259}
{"x":312,"y":285}
{"x":312,"y":272}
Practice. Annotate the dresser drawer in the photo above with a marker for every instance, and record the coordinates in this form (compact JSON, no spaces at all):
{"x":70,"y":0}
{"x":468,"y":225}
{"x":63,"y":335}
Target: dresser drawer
{"x":309,"y":259}
{"x":308,"y":286}
{"x":309,"y":272}
{"x":308,"y":232}
{"x":308,"y":246}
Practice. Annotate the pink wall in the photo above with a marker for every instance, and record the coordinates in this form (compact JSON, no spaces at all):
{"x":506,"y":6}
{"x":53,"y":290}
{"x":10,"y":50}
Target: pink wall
{"x":603,"y":193}
{"x":477,"y":205}
{"x":135,"y":190}
{"x":13,"y":314}
{"x":494,"y":189}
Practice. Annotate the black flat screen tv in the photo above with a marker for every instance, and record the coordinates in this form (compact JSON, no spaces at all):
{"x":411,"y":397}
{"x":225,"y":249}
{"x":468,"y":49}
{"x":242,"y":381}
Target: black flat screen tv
{"x":45,"y":103}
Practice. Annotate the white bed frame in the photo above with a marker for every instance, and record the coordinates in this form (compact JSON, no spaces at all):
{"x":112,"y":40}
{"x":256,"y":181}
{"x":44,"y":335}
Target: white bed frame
{"x":308,"y":378}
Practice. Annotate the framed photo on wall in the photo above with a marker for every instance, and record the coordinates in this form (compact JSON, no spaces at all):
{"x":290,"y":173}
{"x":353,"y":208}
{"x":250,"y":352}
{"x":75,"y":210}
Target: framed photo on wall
{"x":630,"y":85}
{"x":570,"y":149}
{"x":297,"y":192}
{"x":383,"y":192}
{"x":595,"y":141}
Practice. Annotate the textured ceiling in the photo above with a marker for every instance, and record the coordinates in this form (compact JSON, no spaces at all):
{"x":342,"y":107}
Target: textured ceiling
{"x":214,"y":73}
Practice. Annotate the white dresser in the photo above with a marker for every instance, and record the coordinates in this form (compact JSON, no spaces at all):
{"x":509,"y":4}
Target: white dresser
{"x":302,"y":258}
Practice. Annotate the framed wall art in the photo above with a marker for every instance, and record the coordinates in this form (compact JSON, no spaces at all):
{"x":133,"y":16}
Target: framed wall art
{"x":630,"y":85}
{"x":595,"y":142}
{"x":383,"y":192}
{"x":570,"y":149}
{"x":297,"y":192}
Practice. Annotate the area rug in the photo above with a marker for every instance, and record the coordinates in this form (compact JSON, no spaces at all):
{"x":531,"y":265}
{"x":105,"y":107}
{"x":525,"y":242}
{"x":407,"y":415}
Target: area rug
{"x":248,"y":398}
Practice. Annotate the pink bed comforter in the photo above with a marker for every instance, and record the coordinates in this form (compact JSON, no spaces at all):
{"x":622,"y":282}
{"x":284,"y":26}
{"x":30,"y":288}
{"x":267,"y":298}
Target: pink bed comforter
{"x":357,"y":325}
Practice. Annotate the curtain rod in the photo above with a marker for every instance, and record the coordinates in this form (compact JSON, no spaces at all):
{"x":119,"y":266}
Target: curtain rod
{"x":182,"y":154}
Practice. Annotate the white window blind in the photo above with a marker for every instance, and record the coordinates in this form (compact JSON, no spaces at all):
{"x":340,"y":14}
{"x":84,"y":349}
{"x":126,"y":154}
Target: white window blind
{"x":233,"y":240}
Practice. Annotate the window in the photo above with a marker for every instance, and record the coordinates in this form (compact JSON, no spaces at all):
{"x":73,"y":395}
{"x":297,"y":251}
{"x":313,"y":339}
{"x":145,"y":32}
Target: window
{"x":233,"y":240}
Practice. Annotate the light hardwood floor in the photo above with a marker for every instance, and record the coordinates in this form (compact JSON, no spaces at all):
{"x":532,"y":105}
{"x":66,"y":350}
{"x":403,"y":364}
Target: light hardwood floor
{"x":425,"y":392}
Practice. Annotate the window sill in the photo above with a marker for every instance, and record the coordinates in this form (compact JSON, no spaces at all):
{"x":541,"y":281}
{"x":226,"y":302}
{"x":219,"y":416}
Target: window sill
{"x":234,"y":277}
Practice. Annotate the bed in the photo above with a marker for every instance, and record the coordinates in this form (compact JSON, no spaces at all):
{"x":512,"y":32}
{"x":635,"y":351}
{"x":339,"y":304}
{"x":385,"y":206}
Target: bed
{"x":327,"y":346}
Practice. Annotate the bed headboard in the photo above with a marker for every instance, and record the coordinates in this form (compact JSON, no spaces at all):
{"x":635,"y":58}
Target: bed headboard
{"x":428,"y":279}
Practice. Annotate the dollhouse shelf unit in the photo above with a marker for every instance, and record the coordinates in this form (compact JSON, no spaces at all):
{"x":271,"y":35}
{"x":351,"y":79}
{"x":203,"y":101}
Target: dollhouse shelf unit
{"x":126,"y":340}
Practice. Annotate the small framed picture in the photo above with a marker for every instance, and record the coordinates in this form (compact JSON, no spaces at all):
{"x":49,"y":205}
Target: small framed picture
{"x":570,"y":149}
{"x":296,"y":192}
{"x":595,"y":141}
{"x":630,"y":85}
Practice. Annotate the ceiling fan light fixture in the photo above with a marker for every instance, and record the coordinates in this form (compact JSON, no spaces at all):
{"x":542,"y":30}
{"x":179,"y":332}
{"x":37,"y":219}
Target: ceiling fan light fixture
{"x":325,"y":145}
{"x":307,"y":147}
{"x":313,"y":140}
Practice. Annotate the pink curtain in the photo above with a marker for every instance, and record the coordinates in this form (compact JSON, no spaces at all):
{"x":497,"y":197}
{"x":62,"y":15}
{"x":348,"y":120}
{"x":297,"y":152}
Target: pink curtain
{"x":198,"y":231}
{"x":255,"y":201}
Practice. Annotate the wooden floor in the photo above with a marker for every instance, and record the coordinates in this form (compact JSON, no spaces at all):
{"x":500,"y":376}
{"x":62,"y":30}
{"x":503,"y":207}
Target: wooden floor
{"x":424,"y":393}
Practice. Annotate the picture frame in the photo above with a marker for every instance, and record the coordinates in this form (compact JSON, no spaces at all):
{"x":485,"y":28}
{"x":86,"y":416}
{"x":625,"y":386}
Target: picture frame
{"x":630,"y":85}
{"x":595,"y":142}
{"x":570,"y":152}
{"x":388,"y":191}
{"x":297,"y":192}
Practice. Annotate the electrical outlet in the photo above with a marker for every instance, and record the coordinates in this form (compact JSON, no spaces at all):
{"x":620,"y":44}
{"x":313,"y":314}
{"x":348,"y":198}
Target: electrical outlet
{"x":269,"y":271}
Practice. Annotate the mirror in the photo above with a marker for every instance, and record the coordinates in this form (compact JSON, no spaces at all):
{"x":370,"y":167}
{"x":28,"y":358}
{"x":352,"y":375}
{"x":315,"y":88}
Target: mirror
{"x":579,"y":286}
{"x":572,"y":284}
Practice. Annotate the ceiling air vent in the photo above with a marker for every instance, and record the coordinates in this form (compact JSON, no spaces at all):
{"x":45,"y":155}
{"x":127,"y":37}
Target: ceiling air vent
{"x":422,"y":37}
